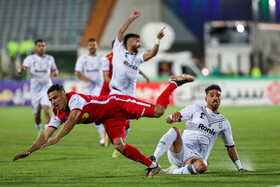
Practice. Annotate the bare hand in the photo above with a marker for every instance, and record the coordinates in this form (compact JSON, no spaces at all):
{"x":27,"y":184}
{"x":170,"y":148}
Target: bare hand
{"x":148,"y":80}
{"x":135,"y":14}
{"x":21,"y":155}
{"x":161,"y":33}
{"x":243,"y":170}
{"x":53,"y":141}
{"x":87,"y":79}
{"x":176,"y":116}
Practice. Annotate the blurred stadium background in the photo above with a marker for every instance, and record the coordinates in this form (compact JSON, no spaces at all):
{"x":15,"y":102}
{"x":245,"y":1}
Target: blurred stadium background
{"x":219,"y":41}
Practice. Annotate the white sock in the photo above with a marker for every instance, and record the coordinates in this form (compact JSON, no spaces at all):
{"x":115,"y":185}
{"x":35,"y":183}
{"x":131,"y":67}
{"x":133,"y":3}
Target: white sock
{"x":187,"y":170}
{"x":100,"y":129}
{"x":153,"y":165}
{"x":126,"y":133}
{"x":165,"y":143}
{"x":39,"y":127}
{"x":46,"y":126}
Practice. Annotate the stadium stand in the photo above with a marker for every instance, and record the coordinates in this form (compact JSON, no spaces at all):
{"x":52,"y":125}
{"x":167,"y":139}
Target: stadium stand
{"x":57,"y":22}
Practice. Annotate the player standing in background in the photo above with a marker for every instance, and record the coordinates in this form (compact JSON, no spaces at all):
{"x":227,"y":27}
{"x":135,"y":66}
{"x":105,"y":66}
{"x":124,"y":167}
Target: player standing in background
{"x":188,"y":153}
{"x":41,"y":67}
{"x":105,"y":91}
{"x":89,"y":68}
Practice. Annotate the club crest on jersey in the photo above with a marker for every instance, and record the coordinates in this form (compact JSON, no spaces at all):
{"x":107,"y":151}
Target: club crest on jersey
{"x":220,"y":125}
{"x":206,"y":129}
{"x":84,"y":117}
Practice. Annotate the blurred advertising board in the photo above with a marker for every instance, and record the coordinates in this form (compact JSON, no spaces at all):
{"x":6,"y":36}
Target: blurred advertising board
{"x":235,"y":92}
{"x":16,"y":92}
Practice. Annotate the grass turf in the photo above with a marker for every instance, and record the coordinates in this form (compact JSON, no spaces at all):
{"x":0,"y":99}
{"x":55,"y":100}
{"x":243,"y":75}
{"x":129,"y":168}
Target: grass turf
{"x":78,"y":160}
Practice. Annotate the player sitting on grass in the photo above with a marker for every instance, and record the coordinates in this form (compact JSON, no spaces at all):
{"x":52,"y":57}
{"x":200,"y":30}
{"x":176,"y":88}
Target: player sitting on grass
{"x":113,"y":111}
{"x":188,"y":153}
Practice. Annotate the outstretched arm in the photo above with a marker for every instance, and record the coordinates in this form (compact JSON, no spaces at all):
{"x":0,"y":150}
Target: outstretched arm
{"x":154,"y":51}
{"x":68,"y":126}
{"x":175,"y":117}
{"x":232,"y":153}
{"x":145,"y":76}
{"x":42,"y":139}
{"x":135,"y":14}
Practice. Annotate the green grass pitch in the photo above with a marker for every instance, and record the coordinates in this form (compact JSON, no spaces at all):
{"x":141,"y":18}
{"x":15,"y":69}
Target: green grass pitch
{"x":78,"y":160}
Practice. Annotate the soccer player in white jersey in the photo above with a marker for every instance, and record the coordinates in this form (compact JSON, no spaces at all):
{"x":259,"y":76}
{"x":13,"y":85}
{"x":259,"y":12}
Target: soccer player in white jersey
{"x":41,"y":67}
{"x":188,"y":153}
{"x":89,"y":68}
{"x":127,"y":60}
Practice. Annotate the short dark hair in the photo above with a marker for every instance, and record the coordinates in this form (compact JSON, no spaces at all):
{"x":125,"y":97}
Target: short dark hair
{"x":128,"y":36}
{"x":39,"y":40}
{"x":113,"y":42}
{"x":213,"y":87}
{"x":92,"y":40}
{"x":56,"y":87}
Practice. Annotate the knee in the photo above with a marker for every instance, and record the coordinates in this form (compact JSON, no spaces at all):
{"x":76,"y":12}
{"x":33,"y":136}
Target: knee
{"x":119,"y":144}
{"x":159,"y":111}
{"x":200,"y":165}
{"x":177,"y":130}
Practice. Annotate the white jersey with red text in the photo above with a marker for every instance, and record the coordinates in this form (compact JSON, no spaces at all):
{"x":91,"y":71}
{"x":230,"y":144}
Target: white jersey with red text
{"x":202,"y":129}
{"x":92,"y":68}
{"x":125,"y":71}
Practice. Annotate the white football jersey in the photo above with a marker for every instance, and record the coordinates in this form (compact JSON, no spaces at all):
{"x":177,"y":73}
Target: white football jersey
{"x":40,"y":70}
{"x":126,"y":68}
{"x":92,"y":67}
{"x":202,"y":129}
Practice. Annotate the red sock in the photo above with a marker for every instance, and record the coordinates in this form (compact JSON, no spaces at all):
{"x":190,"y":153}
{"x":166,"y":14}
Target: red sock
{"x":134,"y":154}
{"x":165,"y":96}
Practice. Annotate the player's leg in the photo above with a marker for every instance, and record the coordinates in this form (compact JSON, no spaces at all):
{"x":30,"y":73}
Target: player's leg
{"x":171,"y":140}
{"x":193,"y":165}
{"x":46,"y":106}
{"x":116,"y":132}
{"x":38,"y":121}
{"x":164,"y":98}
{"x":36,"y":107}
{"x":116,"y":153}
{"x":101,"y":132}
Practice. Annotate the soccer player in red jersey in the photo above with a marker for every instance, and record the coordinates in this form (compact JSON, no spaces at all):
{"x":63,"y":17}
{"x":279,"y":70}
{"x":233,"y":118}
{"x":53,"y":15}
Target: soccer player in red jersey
{"x":73,"y":108}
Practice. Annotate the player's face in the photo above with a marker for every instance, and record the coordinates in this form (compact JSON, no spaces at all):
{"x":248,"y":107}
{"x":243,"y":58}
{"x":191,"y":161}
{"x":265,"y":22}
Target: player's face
{"x":213,"y":100}
{"x":135,"y":44}
{"x":92,"y":47}
{"x":40,"y":48}
{"x":58,"y":100}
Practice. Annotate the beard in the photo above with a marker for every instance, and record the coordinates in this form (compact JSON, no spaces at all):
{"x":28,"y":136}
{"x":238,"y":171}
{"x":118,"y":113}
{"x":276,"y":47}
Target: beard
{"x":215,"y":105}
{"x":134,"y":49}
